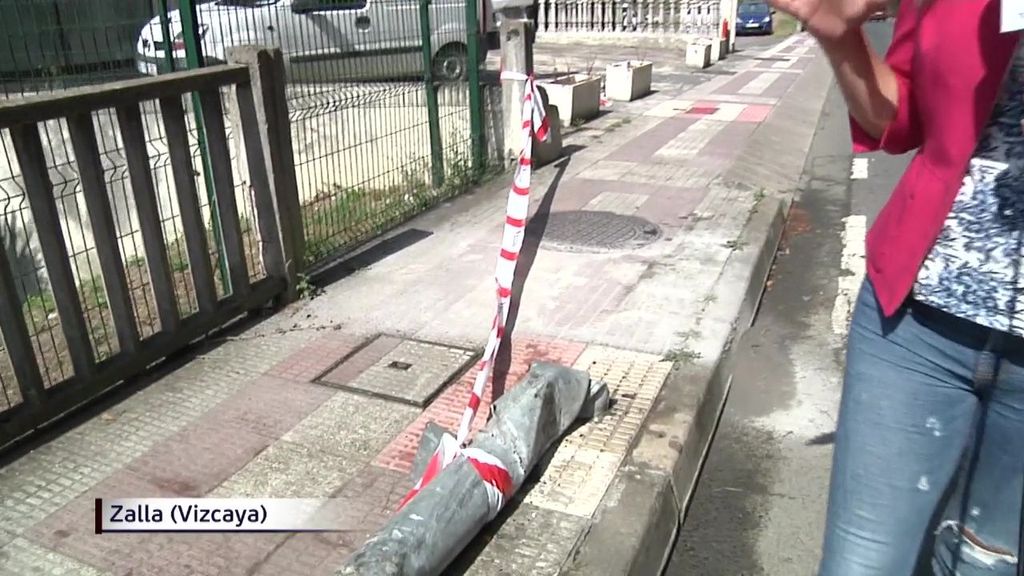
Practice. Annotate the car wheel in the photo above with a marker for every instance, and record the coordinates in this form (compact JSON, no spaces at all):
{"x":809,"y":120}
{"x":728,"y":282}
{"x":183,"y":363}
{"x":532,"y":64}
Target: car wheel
{"x":451,"y":64}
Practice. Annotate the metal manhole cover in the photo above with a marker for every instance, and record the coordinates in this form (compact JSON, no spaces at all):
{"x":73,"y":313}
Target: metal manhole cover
{"x":586,"y":230}
{"x":407,"y":371}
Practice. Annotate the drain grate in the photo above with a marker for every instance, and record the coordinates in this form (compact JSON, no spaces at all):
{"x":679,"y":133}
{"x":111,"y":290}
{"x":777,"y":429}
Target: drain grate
{"x":595,"y":231}
{"x":408,"y":371}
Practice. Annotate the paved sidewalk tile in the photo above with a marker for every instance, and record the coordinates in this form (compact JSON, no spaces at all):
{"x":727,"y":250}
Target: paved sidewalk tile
{"x":755,"y":113}
{"x":323,"y":452}
{"x":586,"y":460}
{"x":24,"y":558}
{"x":288,"y":470}
{"x":353,"y":362}
{"x":197,"y":459}
{"x":270,"y":406}
{"x":361,"y":508}
{"x":315,"y":358}
{"x":70,"y":533}
{"x":689,"y":144}
{"x":446,"y":410}
{"x":53,"y":475}
{"x":644,"y":146}
{"x":728,"y":141}
{"x":411,"y":372}
{"x":524,"y":541}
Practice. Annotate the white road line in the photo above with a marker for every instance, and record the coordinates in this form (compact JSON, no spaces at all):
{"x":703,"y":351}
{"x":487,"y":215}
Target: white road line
{"x":859,"y":169}
{"x":851,"y":272}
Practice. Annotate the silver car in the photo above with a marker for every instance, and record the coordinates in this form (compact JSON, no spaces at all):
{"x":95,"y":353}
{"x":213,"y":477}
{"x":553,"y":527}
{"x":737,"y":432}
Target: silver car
{"x":322,"y":40}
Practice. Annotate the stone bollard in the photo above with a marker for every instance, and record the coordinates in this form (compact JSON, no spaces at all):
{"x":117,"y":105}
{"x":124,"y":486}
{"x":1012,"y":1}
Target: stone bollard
{"x":698,"y":54}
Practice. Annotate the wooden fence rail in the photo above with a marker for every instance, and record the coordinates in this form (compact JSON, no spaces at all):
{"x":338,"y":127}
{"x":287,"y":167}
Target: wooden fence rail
{"x":256,"y":84}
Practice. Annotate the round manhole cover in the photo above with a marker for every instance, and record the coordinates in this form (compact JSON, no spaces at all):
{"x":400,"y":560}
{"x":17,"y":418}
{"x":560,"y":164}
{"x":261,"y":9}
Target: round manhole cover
{"x":585,"y":230}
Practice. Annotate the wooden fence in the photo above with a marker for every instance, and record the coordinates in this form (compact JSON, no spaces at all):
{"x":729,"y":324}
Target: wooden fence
{"x":254,"y":278}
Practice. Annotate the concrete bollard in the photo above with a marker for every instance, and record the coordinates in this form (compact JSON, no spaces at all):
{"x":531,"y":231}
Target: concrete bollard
{"x":698,"y":54}
{"x":719,"y":49}
{"x":546,"y":152}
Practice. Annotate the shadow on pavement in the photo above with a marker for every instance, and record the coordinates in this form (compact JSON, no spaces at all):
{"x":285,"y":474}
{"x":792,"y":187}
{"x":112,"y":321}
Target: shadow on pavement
{"x":532,"y":237}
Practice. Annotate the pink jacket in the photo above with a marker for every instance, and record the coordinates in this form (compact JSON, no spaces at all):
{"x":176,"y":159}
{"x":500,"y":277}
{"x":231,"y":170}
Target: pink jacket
{"x":951,"y":60}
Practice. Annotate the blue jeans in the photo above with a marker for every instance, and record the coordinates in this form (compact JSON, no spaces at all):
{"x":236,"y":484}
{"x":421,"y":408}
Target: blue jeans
{"x":929,"y":455}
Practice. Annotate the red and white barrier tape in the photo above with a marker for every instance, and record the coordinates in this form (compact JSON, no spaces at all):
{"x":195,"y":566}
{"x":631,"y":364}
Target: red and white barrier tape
{"x":491,"y":470}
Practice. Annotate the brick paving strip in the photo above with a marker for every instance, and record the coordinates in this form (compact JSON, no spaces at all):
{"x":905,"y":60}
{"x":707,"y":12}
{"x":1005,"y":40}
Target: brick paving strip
{"x":310,"y":403}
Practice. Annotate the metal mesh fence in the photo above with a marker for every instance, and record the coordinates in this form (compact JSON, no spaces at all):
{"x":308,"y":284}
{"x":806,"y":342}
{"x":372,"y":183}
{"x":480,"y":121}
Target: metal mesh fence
{"x":22,"y":244}
{"x":359,"y":107}
{"x":51,"y":44}
{"x":373,"y":143}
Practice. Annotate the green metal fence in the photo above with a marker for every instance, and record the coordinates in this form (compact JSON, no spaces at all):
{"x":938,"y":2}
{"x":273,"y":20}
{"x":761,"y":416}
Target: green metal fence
{"x":387,"y":113}
{"x":384,"y":97}
{"x":55,"y":43}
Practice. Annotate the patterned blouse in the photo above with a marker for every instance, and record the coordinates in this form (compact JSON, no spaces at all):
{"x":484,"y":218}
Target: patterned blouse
{"x":974,"y":269}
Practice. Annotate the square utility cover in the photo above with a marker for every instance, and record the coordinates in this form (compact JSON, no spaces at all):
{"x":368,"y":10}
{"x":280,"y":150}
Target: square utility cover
{"x":408,"y":371}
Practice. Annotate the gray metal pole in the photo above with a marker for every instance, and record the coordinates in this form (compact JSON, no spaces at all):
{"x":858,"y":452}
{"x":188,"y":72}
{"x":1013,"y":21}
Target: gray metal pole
{"x":517,"y":57}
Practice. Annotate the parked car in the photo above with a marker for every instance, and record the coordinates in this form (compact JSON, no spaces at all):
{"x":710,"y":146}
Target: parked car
{"x":754,"y":18}
{"x":322,"y":40}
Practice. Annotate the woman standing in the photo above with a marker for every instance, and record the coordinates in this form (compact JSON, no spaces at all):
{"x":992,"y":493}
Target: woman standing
{"x":928,"y":468}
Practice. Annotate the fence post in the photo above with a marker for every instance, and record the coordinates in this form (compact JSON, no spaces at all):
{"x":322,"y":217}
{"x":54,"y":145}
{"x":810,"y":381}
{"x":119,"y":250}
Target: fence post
{"x":279,"y":211}
{"x":165,"y":32}
{"x":194,"y":59}
{"x":433,"y":113}
{"x":476,"y":104}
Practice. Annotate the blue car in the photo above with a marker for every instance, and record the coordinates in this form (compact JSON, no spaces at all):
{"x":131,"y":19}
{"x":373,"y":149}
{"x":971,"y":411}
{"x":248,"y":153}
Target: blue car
{"x":754,"y":18}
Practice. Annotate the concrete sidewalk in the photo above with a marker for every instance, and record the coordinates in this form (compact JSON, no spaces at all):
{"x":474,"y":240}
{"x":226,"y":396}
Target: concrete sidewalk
{"x":647,"y":252}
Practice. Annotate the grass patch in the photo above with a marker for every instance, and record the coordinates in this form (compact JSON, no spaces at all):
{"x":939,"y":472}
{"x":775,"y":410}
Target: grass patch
{"x":682,"y":356}
{"x":341,"y":217}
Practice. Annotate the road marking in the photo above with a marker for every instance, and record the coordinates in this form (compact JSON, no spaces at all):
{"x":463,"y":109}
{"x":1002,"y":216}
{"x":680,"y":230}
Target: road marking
{"x":851,"y":272}
{"x":859,"y":169}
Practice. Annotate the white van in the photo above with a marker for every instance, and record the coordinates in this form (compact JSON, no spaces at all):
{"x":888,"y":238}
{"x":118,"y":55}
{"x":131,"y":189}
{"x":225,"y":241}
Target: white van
{"x":326,"y":40}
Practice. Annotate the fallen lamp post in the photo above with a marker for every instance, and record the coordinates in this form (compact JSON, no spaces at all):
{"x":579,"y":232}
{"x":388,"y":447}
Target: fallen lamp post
{"x":426,"y":535}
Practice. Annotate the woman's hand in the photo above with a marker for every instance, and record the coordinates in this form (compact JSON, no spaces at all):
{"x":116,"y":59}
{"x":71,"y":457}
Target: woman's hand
{"x":869,"y":84}
{"x":830,"y":20}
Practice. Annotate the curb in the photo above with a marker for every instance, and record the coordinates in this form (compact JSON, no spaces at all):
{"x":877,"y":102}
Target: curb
{"x":635,"y":527}
{"x":634,"y":530}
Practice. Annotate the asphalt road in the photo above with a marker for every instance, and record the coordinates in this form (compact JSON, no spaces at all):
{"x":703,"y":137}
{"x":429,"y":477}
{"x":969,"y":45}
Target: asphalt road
{"x":759,"y":507}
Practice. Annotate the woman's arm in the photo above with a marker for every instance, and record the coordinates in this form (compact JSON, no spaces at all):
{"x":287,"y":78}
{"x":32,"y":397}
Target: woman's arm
{"x":868,"y":83}
{"x":877,"y":90}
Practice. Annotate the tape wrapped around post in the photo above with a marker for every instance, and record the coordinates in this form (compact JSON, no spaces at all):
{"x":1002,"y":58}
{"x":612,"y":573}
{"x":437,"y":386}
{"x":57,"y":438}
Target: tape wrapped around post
{"x":428,"y":534}
{"x":517,"y":210}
